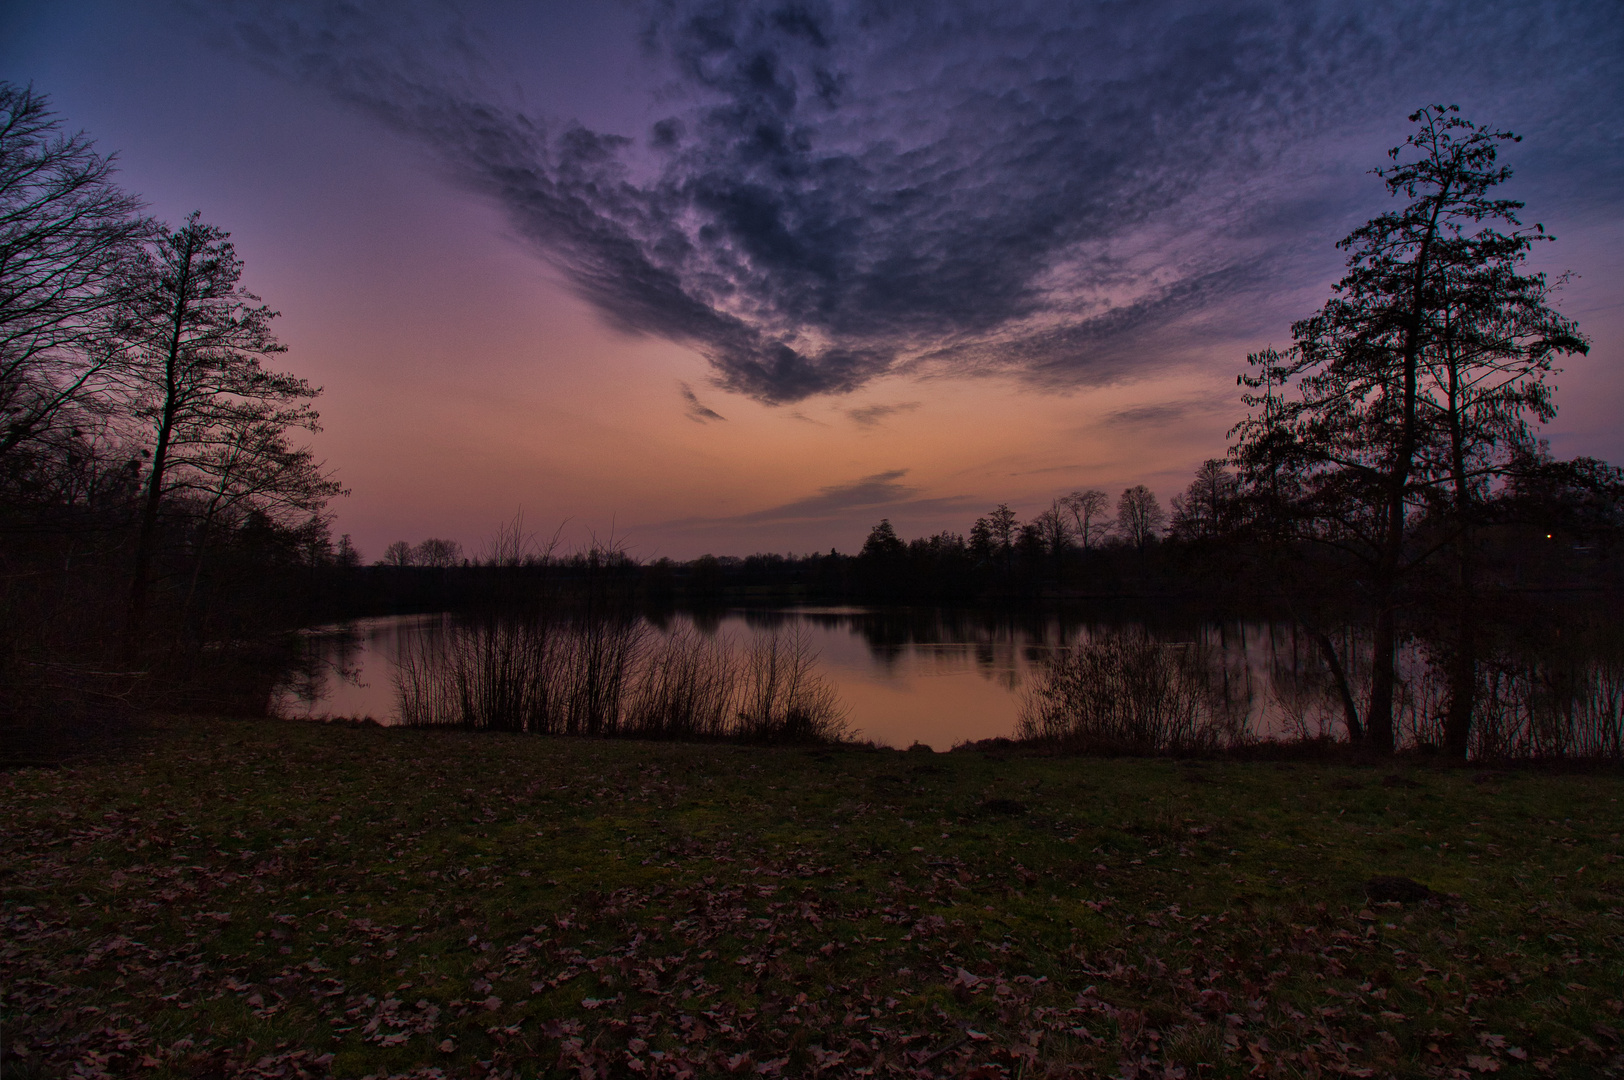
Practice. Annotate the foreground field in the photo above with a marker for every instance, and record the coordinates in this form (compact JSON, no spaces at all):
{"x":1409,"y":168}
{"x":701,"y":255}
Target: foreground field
{"x":252,"y":898}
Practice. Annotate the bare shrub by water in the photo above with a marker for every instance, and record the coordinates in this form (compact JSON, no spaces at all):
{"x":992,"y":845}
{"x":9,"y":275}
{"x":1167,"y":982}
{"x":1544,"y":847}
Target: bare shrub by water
{"x":614,"y":676}
{"x":1124,"y":690}
{"x":595,"y":672}
{"x":784,"y":698}
{"x":686,"y":687}
{"x":495,"y":674}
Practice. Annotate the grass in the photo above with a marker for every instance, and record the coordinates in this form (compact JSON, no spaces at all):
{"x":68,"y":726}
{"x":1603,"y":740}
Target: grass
{"x":261,"y":898}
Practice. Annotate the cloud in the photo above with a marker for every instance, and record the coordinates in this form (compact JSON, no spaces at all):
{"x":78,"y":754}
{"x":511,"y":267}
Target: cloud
{"x":880,"y":489}
{"x":1050,"y":469}
{"x":1165,"y":413}
{"x":1074,"y":193}
{"x":869,"y":416}
{"x":696,"y":410}
{"x":835,"y":503}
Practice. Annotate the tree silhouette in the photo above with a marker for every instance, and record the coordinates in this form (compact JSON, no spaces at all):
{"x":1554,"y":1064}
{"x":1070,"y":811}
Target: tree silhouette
{"x":196,"y":340}
{"x":249,"y":467}
{"x":1206,"y":509}
{"x":439,"y":553}
{"x":1002,"y":529}
{"x":1404,"y":398}
{"x":883,"y":543}
{"x":67,"y":236}
{"x":981,"y":541}
{"x":399,"y":553}
{"x":1139,"y":516}
{"x":1088,"y":513}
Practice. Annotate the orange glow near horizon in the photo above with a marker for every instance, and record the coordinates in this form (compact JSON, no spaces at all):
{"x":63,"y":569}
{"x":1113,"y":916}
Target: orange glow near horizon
{"x":465,"y":381}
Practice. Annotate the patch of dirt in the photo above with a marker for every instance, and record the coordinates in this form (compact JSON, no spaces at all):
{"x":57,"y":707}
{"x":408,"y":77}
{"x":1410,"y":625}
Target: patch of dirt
{"x":1384,"y":888}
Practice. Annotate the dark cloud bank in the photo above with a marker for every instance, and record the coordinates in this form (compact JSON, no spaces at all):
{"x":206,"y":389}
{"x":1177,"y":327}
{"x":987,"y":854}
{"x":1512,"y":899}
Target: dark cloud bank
{"x":1073,"y":193}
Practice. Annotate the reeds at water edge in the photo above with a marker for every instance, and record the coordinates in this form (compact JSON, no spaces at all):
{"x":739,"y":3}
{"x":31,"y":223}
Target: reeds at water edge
{"x":616,"y":676}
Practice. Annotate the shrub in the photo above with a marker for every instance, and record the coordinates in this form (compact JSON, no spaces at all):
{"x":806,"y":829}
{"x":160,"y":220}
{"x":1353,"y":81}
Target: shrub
{"x":1123,"y":690}
{"x":610,"y":676}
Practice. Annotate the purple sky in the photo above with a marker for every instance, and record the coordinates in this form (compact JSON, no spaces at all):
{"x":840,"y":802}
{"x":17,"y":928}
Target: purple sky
{"x":726,"y":277}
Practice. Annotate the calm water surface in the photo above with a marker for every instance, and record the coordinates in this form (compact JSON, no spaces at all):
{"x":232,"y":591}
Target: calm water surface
{"x":931,"y":677}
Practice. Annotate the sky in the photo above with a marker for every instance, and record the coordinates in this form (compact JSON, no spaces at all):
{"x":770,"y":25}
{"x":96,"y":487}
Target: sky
{"x":722,"y":277}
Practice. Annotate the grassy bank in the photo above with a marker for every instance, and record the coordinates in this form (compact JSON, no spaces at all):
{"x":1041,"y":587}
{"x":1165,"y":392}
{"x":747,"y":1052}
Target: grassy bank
{"x":276,"y":899}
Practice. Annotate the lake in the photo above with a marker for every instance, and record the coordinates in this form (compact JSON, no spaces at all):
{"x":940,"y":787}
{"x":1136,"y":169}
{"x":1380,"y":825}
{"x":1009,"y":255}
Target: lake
{"x":937,"y":677}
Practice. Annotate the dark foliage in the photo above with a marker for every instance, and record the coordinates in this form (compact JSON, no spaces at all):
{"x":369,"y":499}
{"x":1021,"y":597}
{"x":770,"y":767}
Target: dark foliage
{"x":158,"y":529}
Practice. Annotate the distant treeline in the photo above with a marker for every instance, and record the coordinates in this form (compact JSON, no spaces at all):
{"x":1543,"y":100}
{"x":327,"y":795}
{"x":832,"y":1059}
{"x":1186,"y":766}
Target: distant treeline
{"x":1546,"y":538}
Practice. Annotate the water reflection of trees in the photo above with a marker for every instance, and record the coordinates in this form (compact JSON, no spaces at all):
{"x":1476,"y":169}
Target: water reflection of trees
{"x":1544,"y":695}
{"x":326,"y":655}
{"x":1557,"y":692}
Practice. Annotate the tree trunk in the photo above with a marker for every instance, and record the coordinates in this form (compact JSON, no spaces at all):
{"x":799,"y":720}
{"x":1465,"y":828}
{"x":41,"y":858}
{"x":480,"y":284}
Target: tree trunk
{"x":1462,"y":674}
{"x":1391,"y":559}
{"x":135,"y":619}
{"x":1382,"y":679}
{"x":1463,"y":657}
{"x":197,"y":573}
{"x":1350,"y":708}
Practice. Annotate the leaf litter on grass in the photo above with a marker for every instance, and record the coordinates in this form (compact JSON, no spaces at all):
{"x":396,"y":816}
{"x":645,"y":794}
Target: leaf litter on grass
{"x":269,"y":899}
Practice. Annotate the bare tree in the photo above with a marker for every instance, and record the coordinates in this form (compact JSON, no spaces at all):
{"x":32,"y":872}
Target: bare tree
{"x":784,"y":697}
{"x":440,"y":553}
{"x":1140,"y":516}
{"x":67,"y":236}
{"x":1088,"y":510}
{"x":196,"y":340}
{"x":1055,"y":529}
{"x":248,"y":465}
{"x":1205,"y":510}
{"x":1004,"y":526}
{"x":400,"y":553}
{"x":514,"y":545}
